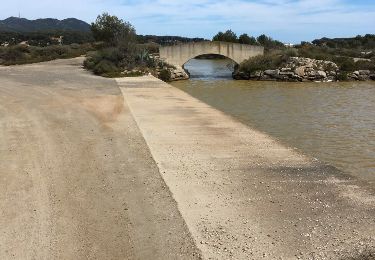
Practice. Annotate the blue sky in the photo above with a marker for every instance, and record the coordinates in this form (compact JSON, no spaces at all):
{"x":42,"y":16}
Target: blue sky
{"x":285,"y":20}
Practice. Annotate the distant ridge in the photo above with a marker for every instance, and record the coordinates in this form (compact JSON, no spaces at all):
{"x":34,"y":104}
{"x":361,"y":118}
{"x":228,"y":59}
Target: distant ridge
{"x":15,"y":24}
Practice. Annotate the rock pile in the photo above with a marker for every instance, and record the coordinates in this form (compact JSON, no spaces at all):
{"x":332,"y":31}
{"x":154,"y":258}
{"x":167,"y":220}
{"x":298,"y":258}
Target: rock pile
{"x":296,"y":69}
{"x":178,"y":74}
{"x":303,"y":69}
{"x":362,"y":75}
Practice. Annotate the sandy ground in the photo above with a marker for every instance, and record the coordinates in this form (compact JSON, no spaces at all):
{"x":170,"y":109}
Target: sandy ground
{"x":242,"y":194}
{"x":77,"y":180}
{"x":92,"y":168}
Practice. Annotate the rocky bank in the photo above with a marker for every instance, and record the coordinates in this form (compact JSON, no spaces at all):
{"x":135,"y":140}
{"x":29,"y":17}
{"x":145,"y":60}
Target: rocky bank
{"x":178,"y":74}
{"x":305,"y":69}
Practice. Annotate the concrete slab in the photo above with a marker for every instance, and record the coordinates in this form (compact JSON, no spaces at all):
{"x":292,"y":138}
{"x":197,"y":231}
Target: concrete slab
{"x":242,"y":194}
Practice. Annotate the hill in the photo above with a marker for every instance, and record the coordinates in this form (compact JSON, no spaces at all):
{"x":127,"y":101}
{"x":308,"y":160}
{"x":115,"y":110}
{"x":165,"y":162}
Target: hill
{"x":366,"y":42}
{"x":166,"y":40}
{"x":22,"y":25}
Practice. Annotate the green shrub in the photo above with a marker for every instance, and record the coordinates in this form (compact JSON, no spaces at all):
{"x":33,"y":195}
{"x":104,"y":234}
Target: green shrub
{"x":365,"y":65}
{"x":345,"y":63}
{"x":165,"y":75}
{"x":342,"y":76}
{"x":31,"y":54}
{"x":105,"y":67}
{"x":111,"y":60}
{"x":291,"y":52}
{"x":14,"y":54}
{"x":261,"y":63}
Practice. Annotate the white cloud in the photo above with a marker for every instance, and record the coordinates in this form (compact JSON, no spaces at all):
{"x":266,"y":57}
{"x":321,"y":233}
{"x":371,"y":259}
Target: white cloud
{"x":288,"y":20}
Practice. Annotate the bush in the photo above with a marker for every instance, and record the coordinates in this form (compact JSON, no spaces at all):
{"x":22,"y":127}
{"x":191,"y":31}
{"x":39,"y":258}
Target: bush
{"x":345,"y":63}
{"x":342,"y":76}
{"x":291,"y":52}
{"x":30,"y":54}
{"x":105,"y":67}
{"x":165,"y":75}
{"x":14,"y":55}
{"x":365,"y":65}
{"x":261,"y":63}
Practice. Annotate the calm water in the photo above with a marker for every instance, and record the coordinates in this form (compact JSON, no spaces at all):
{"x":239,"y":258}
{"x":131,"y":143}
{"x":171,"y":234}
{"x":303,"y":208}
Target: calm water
{"x":334,"y":122}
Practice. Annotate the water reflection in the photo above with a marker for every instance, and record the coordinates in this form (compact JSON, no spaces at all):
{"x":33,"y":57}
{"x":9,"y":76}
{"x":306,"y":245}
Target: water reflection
{"x":210,"y":69}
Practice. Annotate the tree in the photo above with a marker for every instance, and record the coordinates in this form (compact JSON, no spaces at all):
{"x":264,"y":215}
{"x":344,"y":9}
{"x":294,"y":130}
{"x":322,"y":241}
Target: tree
{"x":112,"y":30}
{"x":263,"y":40}
{"x":269,"y":43}
{"x":246,"y":39}
{"x":228,"y":36}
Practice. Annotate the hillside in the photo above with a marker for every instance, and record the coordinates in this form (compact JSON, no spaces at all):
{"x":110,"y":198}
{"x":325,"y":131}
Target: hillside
{"x":22,"y":25}
{"x":366,"y":42}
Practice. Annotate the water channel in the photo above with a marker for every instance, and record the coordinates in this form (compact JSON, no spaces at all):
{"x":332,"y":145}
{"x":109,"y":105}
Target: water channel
{"x":334,"y":122}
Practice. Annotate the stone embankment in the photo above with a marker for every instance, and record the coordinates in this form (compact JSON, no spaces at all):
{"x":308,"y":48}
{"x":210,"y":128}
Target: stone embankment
{"x":305,"y":69}
{"x":178,"y":73}
{"x":362,"y":75}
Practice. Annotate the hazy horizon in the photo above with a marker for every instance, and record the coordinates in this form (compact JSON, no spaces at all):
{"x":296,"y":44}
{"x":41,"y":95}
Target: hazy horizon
{"x":285,"y":20}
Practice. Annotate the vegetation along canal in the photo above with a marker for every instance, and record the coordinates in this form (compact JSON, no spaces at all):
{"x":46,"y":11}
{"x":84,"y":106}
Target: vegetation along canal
{"x":334,"y":122}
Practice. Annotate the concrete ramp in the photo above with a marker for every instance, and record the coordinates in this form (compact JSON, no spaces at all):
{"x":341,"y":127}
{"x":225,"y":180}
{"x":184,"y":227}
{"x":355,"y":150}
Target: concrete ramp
{"x":242,"y":194}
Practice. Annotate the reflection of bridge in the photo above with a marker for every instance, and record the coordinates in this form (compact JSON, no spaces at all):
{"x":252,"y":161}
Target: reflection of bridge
{"x":178,"y":55}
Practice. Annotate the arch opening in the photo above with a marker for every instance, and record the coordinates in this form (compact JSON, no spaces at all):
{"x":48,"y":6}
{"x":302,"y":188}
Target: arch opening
{"x":210,"y":66}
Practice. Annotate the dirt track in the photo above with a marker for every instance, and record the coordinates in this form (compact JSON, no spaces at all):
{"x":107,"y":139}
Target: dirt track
{"x":77,"y":180}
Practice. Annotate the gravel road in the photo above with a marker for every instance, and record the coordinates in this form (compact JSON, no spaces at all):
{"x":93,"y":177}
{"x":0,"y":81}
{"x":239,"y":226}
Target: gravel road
{"x":77,"y":180}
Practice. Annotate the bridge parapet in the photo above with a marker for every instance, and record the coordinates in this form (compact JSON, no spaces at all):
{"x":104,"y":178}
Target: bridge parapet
{"x":178,"y":55}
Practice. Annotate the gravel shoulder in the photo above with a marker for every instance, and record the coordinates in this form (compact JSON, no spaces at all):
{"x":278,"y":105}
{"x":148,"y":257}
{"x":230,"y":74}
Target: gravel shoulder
{"x":77,"y":179}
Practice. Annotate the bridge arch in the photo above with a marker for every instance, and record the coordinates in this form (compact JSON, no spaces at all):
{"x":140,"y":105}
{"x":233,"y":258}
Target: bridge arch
{"x":219,"y":55}
{"x":178,"y":55}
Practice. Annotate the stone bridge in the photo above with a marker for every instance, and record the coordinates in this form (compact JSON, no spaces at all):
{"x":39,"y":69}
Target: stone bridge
{"x":178,"y":55}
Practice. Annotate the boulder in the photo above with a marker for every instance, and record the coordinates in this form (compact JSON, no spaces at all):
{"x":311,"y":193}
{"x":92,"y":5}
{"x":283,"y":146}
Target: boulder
{"x":332,"y":73}
{"x":330,"y":78}
{"x":364,"y":72}
{"x":240,"y":75}
{"x":321,"y":74}
{"x":287,"y":73}
{"x":309,"y":65}
{"x":363,"y":77}
{"x":271,"y":72}
{"x":256,"y":74}
{"x":300,"y":71}
{"x":354,"y":75}
{"x":372,"y":76}
{"x":297,"y":77}
{"x":178,"y":74}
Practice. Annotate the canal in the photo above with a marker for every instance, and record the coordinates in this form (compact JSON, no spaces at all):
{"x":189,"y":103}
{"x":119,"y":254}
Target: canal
{"x":334,"y":122}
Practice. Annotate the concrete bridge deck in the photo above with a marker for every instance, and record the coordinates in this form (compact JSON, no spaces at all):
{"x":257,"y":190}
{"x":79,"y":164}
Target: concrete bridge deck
{"x":178,"y":55}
